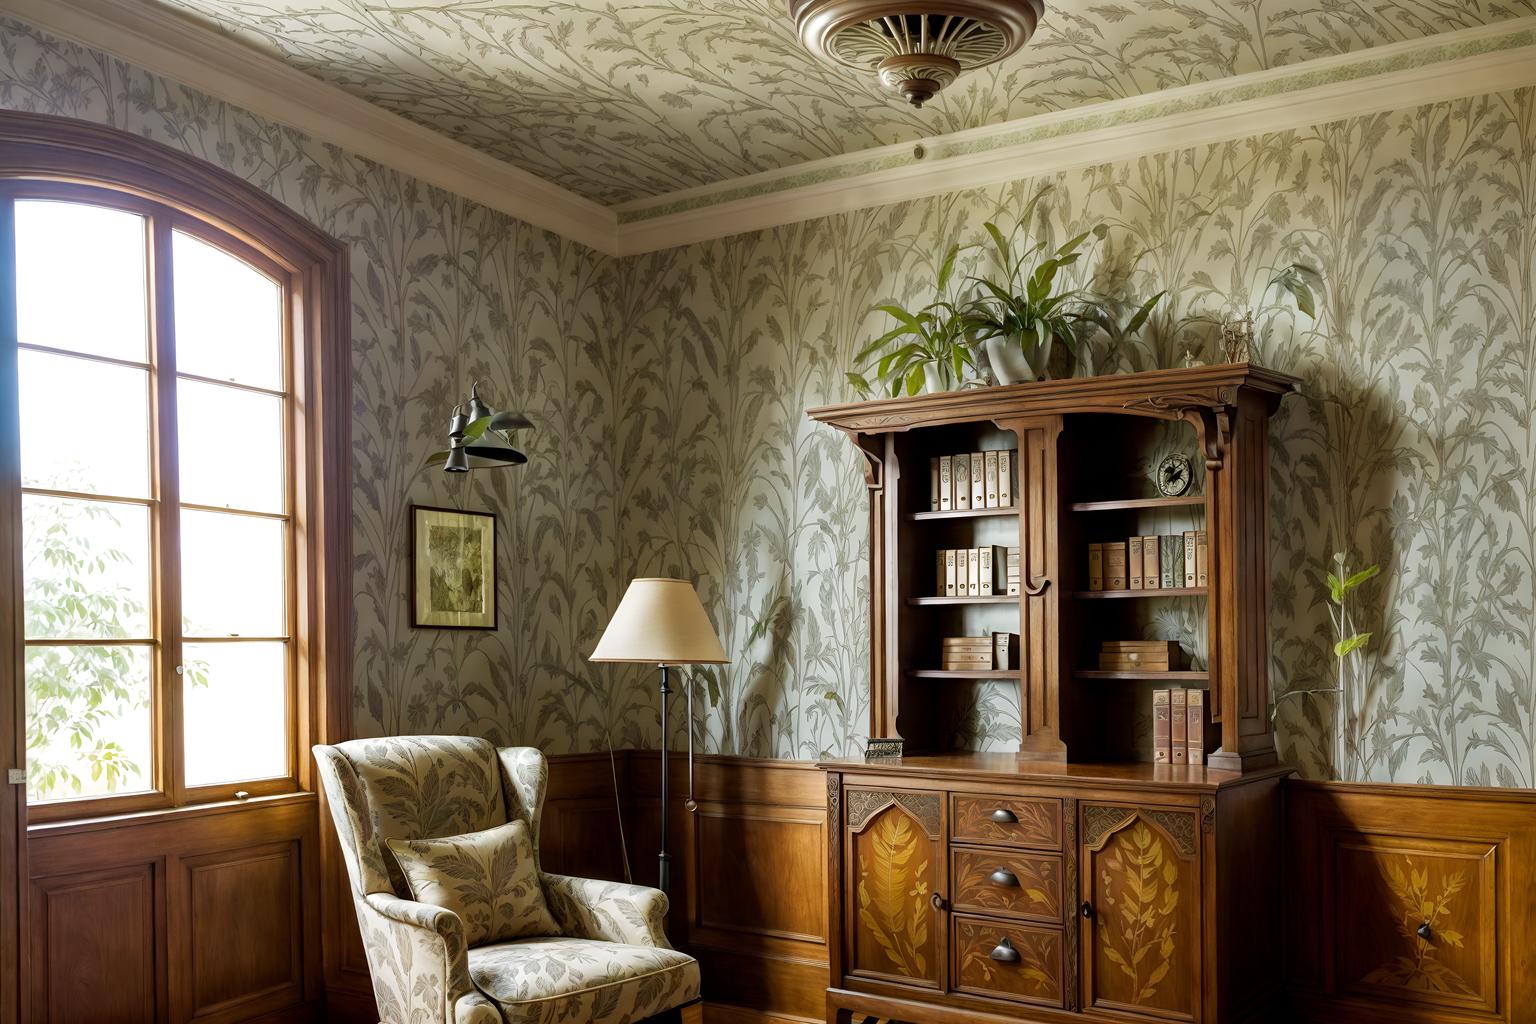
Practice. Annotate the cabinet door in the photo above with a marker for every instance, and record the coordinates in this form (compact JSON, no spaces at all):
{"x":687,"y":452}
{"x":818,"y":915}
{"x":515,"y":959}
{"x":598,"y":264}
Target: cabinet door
{"x":1141,"y":910}
{"x":894,"y":876}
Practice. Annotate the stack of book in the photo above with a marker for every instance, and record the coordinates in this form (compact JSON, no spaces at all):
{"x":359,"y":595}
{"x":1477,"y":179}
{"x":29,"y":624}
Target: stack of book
{"x":1140,"y":655}
{"x":978,"y":653}
{"x":1166,"y":562}
{"x":959,"y":483}
{"x":986,"y":571}
{"x":1178,"y":726}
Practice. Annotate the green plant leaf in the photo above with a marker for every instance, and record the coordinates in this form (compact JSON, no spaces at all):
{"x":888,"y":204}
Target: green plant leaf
{"x":859,"y":384}
{"x":912,"y":321}
{"x":1140,"y":318}
{"x":1354,"y":643}
{"x":915,"y":380}
{"x":948,"y":267}
{"x":1360,"y":577}
{"x":1335,"y":589}
{"x":1003,"y":251}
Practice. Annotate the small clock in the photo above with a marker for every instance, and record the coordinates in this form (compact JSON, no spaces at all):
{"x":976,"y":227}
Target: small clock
{"x":1174,"y":475}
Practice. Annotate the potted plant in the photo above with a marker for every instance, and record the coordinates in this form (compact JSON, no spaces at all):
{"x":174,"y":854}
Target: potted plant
{"x":1021,"y":315}
{"x":927,"y":349}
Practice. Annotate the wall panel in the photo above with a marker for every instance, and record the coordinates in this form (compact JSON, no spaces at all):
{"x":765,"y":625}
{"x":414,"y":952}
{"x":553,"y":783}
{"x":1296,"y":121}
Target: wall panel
{"x":1411,"y":903}
{"x":93,"y":939}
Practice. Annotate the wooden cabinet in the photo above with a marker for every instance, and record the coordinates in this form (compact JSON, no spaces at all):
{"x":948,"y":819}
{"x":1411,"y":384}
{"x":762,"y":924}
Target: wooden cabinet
{"x":1052,"y":893}
{"x":1090,"y":876}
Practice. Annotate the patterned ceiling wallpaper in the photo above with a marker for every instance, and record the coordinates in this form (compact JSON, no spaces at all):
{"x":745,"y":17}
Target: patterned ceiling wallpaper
{"x":671,"y":388}
{"x":620,"y":101}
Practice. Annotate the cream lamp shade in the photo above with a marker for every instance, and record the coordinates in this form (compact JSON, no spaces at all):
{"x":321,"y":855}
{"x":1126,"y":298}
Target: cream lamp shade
{"x":660,"y":622}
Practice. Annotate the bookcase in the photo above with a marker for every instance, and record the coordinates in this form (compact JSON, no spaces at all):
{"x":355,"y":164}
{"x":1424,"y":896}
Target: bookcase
{"x":1085,"y":452}
{"x":1077,"y":880}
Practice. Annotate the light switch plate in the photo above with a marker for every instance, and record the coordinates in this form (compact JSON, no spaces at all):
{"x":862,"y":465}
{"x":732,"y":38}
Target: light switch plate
{"x":16,"y":776}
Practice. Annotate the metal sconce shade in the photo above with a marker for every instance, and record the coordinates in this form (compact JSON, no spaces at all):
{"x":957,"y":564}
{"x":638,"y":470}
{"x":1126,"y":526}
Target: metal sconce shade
{"x":477,"y":437}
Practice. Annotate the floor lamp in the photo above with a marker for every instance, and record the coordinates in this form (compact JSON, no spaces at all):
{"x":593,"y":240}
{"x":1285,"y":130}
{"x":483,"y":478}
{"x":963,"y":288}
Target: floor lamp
{"x":661,"y":622}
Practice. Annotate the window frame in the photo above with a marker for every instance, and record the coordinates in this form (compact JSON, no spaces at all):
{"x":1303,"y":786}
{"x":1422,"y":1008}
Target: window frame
{"x":55,"y":159}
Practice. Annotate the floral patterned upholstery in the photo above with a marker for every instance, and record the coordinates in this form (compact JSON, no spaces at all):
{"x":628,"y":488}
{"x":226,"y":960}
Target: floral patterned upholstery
{"x":544,"y":981}
{"x":612,"y":963}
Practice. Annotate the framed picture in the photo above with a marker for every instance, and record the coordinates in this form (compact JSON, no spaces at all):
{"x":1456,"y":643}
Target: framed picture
{"x":453,"y":568}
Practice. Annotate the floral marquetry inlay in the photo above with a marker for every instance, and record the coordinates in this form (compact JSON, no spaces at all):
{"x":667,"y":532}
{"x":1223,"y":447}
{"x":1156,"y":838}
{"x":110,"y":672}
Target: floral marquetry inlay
{"x":864,"y":804}
{"x":895,"y":864}
{"x":1139,"y":914}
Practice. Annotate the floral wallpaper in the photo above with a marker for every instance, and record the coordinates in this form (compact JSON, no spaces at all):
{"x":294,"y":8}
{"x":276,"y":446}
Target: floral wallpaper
{"x":443,"y":292}
{"x":619,"y":101}
{"x":1412,"y":445}
{"x":670,"y":392}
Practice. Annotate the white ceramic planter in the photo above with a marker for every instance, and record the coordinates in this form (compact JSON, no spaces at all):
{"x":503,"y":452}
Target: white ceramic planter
{"x":1013,"y":363}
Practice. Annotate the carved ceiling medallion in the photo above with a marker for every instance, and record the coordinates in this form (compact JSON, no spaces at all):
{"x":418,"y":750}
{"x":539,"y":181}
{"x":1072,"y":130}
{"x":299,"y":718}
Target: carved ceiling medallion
{"x":917,"y":47}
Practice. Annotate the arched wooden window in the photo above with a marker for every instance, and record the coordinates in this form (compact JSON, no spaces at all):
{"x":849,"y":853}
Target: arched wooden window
{"x":176,"y":474}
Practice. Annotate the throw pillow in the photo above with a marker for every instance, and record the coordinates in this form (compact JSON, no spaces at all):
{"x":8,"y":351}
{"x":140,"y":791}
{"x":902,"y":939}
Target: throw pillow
{"x":488,"y":878}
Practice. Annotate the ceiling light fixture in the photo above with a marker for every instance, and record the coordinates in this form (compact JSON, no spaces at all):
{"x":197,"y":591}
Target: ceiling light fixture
{"x":917,"y":47}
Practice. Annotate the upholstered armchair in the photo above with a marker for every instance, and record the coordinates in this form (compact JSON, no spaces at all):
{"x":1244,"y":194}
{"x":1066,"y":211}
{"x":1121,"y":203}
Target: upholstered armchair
{"x":611,"y":961}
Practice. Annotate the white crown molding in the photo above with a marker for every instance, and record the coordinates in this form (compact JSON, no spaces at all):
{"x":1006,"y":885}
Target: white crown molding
{"x":168,"y":44}
{"x":1402,"y":76}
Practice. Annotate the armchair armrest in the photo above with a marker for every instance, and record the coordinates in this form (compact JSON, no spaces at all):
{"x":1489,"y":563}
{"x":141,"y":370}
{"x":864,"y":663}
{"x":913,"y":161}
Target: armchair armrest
{"x":587,"y":908}
{"x":418,"y":955}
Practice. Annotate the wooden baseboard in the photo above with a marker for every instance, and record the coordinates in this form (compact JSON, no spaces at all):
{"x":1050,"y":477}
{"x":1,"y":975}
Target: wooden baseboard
{"x":725,"y":1013}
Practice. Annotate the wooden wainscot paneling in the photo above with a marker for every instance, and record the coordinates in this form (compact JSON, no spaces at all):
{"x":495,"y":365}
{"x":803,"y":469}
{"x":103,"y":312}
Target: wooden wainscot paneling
{"x":578,"y":832}
{"x":208,"y":914}
{"x":93,"y":945}
{"x":749,"y":883}
{"x":757,"y":889}
{"x":1411,"y":903}
{"x":244,"y":911}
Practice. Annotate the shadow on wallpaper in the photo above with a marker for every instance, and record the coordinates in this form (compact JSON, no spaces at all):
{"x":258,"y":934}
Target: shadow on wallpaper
{"x":670,"y":389}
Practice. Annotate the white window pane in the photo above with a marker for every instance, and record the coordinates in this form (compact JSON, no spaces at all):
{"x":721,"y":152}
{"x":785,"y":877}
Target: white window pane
{"x":89,"y":724}
{"x":85,"y":572}
{"x":233,"y":570}
{"x":235,"y":706}
{"x":231,"y":447}
{"x":80,"y":279}
{"x":104,"y":449}
{"x":229,"y":321}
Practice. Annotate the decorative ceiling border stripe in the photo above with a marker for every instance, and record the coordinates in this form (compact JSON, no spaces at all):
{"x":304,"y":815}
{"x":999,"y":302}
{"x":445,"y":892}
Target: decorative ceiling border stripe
{"x":1487,"y":62}
{"x":1202,"y":96}
{"x":176,"y":47}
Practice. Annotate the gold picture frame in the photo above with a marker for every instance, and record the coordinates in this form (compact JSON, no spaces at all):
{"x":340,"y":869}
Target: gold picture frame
{"x":453,"y":568}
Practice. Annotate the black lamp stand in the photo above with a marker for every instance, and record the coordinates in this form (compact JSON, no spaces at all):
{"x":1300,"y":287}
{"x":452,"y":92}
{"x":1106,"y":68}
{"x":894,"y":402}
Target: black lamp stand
{"x":663,"y":859}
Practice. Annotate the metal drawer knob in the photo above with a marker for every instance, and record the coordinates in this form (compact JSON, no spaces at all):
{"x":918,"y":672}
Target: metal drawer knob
{"x":1003,"y":816}
{"x":1424,"y":931}
{"x":937,"y":901}
{"x":1004,"y":877}
{"x":1004,"y":953}
{"x":1086,"y":910}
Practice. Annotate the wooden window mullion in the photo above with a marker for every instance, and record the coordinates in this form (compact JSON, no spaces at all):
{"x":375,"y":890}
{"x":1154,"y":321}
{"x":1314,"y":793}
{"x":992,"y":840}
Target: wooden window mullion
{"x":167,"y":518}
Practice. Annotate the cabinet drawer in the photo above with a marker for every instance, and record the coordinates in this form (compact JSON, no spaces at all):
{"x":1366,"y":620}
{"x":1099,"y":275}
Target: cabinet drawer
{"x":1003,"y":882}
{"x":1011,"y":820}
{"x":1008,"y":960}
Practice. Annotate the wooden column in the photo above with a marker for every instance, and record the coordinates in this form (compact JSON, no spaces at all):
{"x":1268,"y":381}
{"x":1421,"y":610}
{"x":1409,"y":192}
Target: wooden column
{"x":1240,"y":578}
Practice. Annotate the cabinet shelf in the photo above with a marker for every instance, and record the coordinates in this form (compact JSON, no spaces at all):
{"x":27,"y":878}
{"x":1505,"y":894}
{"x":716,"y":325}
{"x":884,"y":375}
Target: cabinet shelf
{"x":964,"y":513}
{"x":938,"y":673}
{"x":918,"y":602}
{"x":1184,"y":501}
{"x":1174,"y":676}
{"x":1113,"y":595}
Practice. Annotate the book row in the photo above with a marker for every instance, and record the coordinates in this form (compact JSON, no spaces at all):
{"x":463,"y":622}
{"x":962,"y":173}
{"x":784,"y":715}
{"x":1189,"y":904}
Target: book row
{"x":959,"y":483}
{"x":1178,"y":726}
{"x":980,"y":653}
{"x":977,"y":572}
{"x":1164,"y":562}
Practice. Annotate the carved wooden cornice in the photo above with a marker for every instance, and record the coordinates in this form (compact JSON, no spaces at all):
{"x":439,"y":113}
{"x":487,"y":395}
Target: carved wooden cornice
{"x":1203,"y":395}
